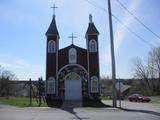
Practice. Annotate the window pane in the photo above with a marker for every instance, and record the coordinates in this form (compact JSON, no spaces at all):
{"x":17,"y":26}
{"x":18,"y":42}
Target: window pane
{"x":51,"y":86}
{"x":72,"y":55}
{"x":51,"y":46}
{"x":92,"y":46}
{"x":94,"y":84}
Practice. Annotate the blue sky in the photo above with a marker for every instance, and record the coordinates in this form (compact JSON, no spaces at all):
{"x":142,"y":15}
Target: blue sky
{"x":23,"y":24}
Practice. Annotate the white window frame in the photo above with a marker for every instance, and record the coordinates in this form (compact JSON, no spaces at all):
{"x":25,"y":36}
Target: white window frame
{"x":92,"y":46}
{"x":51,"y":46}
{"x":72,"y":76}
{"x":94,"y":79}
{"x":72,"y":55}
{"x":51,"y":85}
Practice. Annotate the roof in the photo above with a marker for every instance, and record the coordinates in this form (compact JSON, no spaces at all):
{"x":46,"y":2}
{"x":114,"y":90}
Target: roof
{"x":122,"y":87}
{"x":72,"y":46}
{"x":52,"y":30}
{"x":92,"y":29}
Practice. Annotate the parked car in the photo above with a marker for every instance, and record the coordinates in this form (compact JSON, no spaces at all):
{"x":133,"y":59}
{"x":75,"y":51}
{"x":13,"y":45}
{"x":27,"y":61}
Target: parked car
{"x":138,"y":98}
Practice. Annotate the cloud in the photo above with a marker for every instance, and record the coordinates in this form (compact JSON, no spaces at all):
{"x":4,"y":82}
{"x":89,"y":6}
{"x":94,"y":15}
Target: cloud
{"x":121,"y":31}
{"x":21,"y":68}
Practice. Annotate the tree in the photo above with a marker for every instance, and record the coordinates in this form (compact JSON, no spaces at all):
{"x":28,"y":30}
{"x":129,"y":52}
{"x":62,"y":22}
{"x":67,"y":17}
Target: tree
{"x":149,"y":72}
{"x":5,"y":84}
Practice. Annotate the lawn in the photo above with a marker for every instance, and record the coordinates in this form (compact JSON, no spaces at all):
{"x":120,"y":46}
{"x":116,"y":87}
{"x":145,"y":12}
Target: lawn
{"x":20,"y":101}
{"x":155,"y":99}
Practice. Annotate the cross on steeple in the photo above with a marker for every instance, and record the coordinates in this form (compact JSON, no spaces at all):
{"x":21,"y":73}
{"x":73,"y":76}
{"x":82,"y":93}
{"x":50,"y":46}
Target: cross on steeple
{"x":72,"y":36}
{"x":54,"y":9}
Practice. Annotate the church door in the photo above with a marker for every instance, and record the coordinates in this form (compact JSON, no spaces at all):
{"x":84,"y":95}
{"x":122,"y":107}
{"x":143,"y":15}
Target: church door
{"x":73,"y":87}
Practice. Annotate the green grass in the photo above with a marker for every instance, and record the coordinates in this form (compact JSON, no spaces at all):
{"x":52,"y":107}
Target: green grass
{"x":20,"y":101}
{"x":155,"y":99}
{"x":104,"y":97}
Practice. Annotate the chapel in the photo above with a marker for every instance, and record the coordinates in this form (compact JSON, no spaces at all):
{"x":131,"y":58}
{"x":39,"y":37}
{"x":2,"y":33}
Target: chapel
{"x":72,"y":73}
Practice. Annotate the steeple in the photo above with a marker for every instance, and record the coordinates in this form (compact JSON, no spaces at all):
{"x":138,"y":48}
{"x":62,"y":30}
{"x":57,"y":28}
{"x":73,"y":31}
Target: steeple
{"x":52,"y":30}
{"x":91,"y":27}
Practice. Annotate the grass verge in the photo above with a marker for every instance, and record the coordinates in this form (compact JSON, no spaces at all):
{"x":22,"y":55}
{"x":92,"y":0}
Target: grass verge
{"x":20,"y":101}
{"x":155,"y":99}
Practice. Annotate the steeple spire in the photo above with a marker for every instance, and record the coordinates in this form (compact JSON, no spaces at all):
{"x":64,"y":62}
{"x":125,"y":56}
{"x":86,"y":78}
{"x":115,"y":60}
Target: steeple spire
{"x":91,"y":27}
{"x":52,"y":30}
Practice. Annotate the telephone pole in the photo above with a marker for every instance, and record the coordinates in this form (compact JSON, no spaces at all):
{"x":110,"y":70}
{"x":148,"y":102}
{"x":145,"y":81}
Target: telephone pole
{"x":114,"y":96}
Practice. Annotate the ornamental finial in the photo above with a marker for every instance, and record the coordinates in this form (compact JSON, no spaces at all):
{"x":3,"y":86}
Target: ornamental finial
{"x":90,"y":18}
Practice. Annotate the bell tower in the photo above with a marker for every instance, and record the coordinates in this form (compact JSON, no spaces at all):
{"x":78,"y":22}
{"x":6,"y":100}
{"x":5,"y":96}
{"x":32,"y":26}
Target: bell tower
{"x":93,"y":58}
{"x":52,"y":46}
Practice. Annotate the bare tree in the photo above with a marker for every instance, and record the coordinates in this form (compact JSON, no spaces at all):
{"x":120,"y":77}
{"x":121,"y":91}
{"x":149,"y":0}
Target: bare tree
{"x":154,"y":67}
{"x":5,"y":84}
{"x":149,"y":73}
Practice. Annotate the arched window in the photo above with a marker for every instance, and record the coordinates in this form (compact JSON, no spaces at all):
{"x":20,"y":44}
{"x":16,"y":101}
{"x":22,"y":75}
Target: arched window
{"x":94,"y":84}
{"x":72,"y":55}
{"x":92,"y":46}
{"x":51,"y":46}
{"x":72,"y":76}
{"x":51,"y":85}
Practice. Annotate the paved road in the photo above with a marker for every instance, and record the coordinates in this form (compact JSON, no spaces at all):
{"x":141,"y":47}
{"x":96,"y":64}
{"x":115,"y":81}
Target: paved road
{"x":132,"y":111}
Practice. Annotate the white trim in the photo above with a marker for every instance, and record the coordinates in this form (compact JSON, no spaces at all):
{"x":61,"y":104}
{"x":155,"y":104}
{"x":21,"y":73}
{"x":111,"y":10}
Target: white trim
{"x":51,"y":46}
{"x":72,"y":55}
{"x":88,"y":65}
{"x":99,"y":86}
{"x":57,"y":65}
{"x":94,"y":79}
{"x":46,"y":65}
{"x":70,"y":74}
{"x":51,"y":85}
{"x":92,"y":46}
{"x":72,"y":65}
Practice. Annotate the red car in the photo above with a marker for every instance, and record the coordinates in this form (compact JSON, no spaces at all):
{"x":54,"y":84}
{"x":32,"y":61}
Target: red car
{"x":138,"y":98}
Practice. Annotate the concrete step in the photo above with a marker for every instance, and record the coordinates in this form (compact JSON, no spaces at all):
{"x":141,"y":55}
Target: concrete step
{"x":72,"y":104}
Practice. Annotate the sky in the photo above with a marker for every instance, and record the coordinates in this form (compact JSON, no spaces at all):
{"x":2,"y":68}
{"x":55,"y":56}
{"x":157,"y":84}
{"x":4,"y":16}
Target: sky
{"x":23,"y":24}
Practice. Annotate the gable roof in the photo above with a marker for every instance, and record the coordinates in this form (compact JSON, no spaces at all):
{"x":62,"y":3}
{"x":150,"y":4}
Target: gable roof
{"x":72,"y":46}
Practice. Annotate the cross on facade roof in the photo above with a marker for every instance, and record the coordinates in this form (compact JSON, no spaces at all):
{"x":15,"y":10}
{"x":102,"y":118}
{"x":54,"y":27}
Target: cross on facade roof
{"x":72,"y":36}
{"x":54,"y":9}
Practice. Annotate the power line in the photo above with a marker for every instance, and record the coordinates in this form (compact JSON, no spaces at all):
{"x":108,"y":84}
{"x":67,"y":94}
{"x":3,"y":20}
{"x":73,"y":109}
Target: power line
{"x":96,"y":5}
{"x":136,"y":18}
{"x":134,"y":33}
{"x":129,"y":29}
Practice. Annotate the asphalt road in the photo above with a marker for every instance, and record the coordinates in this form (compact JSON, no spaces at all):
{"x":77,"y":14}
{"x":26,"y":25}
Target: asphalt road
{"x":130,"y":111}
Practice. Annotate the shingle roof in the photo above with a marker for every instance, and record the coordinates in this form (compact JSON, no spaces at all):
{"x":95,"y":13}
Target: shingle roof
{"x":92,"y":29}
{"x":52,"y":30}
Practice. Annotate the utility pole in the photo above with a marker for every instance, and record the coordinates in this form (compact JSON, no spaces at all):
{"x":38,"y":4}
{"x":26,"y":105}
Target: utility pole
{"x":112,"y":56}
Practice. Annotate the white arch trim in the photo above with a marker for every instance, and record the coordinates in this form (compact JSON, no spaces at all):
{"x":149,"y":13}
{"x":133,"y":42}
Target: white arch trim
{"x":72,"y":65}
{"x":72,"y":73}
{"x":92,"y":45}
{"x":51,"y":46}
{"x":94,"y":84}
{"x":72,"y":54}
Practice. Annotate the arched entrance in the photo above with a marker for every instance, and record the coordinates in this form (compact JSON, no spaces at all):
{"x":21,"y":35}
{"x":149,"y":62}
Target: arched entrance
{"x":73,"y":86}
{"x":73,"y":82}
